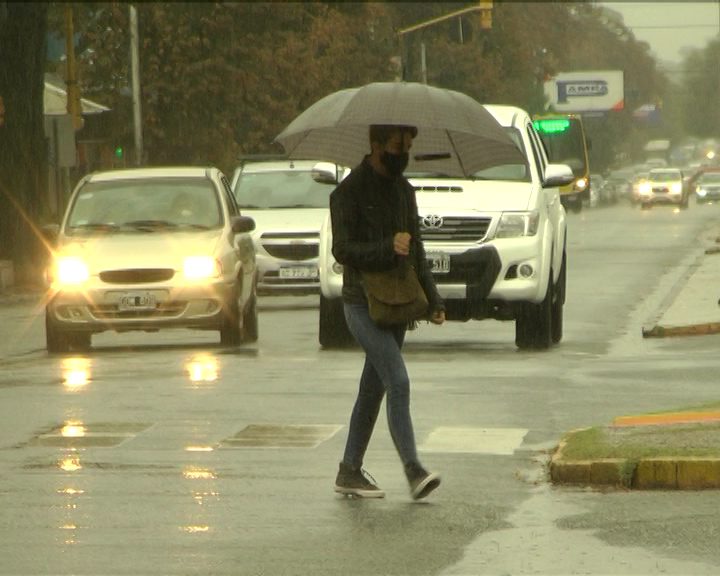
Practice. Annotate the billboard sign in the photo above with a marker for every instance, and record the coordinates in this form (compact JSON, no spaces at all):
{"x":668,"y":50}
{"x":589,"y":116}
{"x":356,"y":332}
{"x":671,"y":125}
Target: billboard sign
{"x":586,"y":91}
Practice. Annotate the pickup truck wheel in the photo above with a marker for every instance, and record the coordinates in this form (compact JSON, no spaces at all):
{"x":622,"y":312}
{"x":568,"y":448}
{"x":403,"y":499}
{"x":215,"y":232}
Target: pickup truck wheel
{"x":333,"y":329}
{"x":533,"y":327}
{"x":558,"y":302}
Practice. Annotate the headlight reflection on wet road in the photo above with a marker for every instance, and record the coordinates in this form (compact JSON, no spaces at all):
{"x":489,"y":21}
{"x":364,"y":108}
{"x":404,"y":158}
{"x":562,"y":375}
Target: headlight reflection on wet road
{"x":76,"y":373}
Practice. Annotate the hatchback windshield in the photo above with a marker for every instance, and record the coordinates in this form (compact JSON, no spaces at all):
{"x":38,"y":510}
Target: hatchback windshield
{"x":664,"y":175}
{"x":145,"y":205}
{"x":281,"y":189}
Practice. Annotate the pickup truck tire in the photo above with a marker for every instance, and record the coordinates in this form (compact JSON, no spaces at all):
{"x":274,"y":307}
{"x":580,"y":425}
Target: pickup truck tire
{"x":558,"y":303}
{"x":333,"y":329}
{"x":533,"y":326}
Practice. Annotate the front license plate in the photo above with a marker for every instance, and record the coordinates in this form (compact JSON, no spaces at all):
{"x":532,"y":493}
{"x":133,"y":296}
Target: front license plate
{"x":137,"y":301}
{"x":439,"y":262}
{"x":299,"y":272}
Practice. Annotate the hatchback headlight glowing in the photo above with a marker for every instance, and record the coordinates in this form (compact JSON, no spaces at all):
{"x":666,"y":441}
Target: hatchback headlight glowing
{"x":676,"y":187}
{"x":516,"y":224}
{"x":201,"y":267}
{"x":645,"y":188}
{"x":71,"y":270}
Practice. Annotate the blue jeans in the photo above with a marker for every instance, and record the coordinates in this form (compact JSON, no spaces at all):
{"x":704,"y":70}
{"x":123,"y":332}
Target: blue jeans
{"x":384,"y":372}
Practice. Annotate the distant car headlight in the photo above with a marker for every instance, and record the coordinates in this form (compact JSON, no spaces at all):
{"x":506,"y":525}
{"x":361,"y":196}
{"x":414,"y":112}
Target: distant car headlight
{"x":676,"y":187}
{"x":517,"y":224}
{"x":72,"y":271}
{"x":645,"y":188}
{"x":581,"y":184}
{"x":701,"y":192}
{"x":201,"y":268}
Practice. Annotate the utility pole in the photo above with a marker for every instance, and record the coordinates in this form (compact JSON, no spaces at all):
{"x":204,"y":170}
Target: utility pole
{"x":135,"y":73}
{"x":485,"y":9}
{"x":73,"y":92}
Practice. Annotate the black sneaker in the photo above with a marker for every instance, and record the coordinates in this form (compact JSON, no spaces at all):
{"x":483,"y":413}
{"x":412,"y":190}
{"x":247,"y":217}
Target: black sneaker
{"x":421,"y":481}
{"x":356,"y":482}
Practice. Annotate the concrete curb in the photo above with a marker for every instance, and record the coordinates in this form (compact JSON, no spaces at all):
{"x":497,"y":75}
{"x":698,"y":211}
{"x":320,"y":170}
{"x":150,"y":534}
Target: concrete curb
{"x":676,"y":473}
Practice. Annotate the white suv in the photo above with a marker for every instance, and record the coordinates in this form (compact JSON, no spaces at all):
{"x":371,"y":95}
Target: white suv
{"x":496,"y":243}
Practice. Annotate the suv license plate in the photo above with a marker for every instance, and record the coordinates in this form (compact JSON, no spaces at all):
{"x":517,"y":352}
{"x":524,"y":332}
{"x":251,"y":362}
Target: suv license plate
{"x":439,"y":262}
{"x":299,"y":272}
{"x":137,"y":301}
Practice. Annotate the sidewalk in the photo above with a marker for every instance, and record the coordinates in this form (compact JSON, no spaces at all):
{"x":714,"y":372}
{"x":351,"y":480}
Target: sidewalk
{"x":662,"y":460}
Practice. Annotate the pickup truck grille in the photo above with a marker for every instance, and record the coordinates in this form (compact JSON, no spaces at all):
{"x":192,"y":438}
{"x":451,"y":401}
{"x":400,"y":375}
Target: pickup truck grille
{"x":454,"y":229}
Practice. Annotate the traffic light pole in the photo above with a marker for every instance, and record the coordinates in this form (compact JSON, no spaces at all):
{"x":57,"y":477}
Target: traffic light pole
{"x":484,"y":6}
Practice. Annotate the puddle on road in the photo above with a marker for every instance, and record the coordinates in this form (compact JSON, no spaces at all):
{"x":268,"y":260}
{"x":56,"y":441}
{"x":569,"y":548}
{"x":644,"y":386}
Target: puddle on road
{"x":76,"y":434}
{"x":281,"y":436}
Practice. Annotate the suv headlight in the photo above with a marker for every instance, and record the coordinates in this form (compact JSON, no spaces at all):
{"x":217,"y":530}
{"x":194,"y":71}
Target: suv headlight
{"x":581,"y":184}
{"x":676,"y":187}
{"x":517,"y":224}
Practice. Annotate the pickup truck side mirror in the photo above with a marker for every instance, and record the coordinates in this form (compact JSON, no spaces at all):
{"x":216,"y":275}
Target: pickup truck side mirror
{"x":557,"y":175}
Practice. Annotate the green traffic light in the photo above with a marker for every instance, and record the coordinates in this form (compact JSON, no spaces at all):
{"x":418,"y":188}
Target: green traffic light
{"x":118,"y":152}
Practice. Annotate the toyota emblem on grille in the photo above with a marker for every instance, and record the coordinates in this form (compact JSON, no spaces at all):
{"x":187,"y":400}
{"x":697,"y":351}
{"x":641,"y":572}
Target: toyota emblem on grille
{"x":432,"y":221}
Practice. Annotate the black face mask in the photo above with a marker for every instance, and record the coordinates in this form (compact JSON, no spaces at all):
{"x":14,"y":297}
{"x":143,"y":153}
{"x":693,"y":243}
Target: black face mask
{"x":395,"y":164}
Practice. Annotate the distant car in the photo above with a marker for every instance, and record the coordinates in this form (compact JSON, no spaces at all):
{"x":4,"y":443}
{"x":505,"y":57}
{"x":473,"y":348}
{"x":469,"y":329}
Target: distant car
{"x":663,"y":186}
{"x":148,"y":249}
{"x":707,"y":187}
{"x":288,"y":199}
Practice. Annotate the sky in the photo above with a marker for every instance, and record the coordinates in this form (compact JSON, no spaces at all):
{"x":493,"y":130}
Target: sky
{"x":671,"y":26}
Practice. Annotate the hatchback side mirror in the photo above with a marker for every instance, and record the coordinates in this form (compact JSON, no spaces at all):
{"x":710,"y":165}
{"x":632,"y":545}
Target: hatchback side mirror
{"x":50,"y":232}
{"x":325,"y":173}
{"x":242,"y":224}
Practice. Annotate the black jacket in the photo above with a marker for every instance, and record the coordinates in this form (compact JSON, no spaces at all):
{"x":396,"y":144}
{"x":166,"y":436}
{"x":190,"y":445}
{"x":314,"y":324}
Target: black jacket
{"x":367,"y":210}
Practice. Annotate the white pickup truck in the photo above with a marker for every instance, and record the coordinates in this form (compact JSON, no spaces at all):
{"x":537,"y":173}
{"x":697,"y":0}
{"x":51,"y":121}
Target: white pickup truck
{"x":496,"y":243}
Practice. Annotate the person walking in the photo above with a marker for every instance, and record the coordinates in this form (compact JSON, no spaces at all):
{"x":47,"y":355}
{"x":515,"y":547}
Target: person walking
{"x":374,"y":220}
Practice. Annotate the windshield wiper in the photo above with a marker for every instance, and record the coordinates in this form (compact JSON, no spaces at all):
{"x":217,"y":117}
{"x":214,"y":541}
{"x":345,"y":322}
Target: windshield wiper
{"x":149,"y":225}
{"x":99,"y":226}
{"x":292,"y":206}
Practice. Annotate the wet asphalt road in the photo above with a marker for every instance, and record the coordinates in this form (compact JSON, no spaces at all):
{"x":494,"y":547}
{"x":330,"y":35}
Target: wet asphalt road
{"x":167,"y":454}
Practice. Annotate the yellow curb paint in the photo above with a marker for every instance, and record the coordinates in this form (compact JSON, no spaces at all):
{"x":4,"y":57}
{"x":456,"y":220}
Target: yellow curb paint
{"x":691,"y":330}
{"x":655,"y":473}
{"x":666,"y":418}
{"x":698,"y":474}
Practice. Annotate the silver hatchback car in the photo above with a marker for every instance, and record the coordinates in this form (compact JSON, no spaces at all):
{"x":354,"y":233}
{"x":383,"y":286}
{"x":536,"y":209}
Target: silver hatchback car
{"x":147,"y":249}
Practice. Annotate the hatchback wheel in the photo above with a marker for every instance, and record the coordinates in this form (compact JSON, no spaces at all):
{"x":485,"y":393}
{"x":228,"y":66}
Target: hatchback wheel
{"x":334,"y":332}
{"x":250,"y":329}
{"x":230,"y":329}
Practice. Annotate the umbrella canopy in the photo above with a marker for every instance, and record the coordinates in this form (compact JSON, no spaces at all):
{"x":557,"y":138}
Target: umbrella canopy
{"x":457,"y":136}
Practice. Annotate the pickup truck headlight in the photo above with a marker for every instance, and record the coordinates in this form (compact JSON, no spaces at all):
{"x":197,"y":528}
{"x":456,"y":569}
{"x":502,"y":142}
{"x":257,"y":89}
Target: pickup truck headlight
{"x":676,"y":187}
{"x":701,"y":192}
{"x":517,"y":224}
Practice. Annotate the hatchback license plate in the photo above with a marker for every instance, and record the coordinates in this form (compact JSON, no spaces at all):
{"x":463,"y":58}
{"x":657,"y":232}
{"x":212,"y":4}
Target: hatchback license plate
{"x":299,"y":272}
{"x":137,"y":301}
{"x":439,"y":262}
